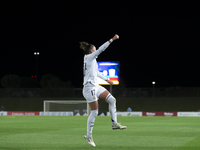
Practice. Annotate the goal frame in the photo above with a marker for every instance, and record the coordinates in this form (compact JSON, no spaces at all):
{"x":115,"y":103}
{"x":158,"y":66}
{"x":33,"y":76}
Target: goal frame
{"x":67,"y":101}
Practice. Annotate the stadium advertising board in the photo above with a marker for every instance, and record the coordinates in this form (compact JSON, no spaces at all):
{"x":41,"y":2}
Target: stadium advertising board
{"x":56,"y":113}
{"x":188,"y":114}
{"x":110,"y":70}
{"x":18,"y":113}
{"x":3,"y":113}
{"x":179,"y":114}
{"x":127,"y":113}
{"x":159,"y":113}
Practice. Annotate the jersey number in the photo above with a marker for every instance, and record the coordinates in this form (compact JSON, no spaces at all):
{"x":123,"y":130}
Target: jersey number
{"x":84,"y":69}
{"x":93,"y":92}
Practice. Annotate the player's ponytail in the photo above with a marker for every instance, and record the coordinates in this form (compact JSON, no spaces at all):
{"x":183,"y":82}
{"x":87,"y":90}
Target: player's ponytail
{"x":83,"y":45}
{"x":86,"y":47}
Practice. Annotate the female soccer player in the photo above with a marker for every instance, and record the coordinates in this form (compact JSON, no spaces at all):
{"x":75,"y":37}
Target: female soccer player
{"x":92,"y":91}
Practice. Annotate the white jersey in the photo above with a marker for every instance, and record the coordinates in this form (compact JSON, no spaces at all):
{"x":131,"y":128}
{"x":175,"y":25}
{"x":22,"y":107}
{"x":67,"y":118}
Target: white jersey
{"x":90,"y":66}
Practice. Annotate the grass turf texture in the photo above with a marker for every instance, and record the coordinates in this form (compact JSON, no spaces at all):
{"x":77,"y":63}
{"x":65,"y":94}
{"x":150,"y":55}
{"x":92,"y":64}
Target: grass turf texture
{"x":66,"y":133}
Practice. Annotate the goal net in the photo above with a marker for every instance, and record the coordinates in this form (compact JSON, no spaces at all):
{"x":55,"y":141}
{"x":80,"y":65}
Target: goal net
{"x":76,"y":106}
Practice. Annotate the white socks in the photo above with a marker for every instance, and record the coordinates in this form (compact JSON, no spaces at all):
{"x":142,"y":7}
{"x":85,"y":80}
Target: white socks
{"x":90,"y":121}
{"x":112,"y":108}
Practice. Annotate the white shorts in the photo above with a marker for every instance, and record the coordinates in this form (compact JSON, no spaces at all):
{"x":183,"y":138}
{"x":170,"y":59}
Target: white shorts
{"x":92,"y":92}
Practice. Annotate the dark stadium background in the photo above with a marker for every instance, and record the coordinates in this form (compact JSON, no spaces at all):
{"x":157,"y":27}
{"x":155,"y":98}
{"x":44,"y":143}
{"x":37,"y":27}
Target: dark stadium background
{"x":159,"y":40}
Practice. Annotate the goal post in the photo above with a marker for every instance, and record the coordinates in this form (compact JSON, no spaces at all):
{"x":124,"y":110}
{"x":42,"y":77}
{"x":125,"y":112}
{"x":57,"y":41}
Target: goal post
{"x":77,"y":106}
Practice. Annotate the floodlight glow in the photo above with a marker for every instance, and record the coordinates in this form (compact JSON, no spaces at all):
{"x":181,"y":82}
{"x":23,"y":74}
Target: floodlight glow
{"x":36,"y":53}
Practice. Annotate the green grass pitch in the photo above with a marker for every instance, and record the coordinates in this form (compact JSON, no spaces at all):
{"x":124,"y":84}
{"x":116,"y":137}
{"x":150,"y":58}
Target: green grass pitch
{"x":66,"y":133}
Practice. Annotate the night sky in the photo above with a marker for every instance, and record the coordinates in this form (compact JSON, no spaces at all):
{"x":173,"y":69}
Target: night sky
{"x":159,"y":40}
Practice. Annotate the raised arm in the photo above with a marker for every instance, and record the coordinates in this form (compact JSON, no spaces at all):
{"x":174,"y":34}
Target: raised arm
{"x":104,"y":46}
{"x":114,"y":38}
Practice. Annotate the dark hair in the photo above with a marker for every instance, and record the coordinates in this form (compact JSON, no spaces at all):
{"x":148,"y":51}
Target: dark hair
{"x":86,"y":47}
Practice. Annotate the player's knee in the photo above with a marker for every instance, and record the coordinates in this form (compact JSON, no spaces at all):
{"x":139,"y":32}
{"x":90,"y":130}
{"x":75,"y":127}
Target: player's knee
{"x":110,"y":99}
{"x":94,"y":113}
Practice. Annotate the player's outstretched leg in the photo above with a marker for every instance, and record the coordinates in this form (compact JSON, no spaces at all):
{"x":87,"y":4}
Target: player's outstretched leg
{"x":113,"y":112}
